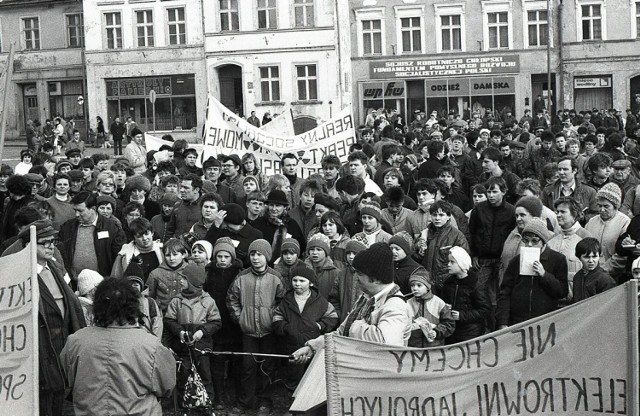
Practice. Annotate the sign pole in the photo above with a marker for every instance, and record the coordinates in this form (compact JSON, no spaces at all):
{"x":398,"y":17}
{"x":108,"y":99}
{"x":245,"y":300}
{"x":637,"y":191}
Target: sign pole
{"x":35,"y":299}
{"x":152,"y":98}
{"x":7,"y":81}
{"x":633,"y":385}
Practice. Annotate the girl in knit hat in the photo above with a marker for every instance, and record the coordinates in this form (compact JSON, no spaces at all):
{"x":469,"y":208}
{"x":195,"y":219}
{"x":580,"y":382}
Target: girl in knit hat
{"x":466,"y":297}
{"x":191,"y":320}
{"x":88,"y":280}
{"x":289,"y":259}
{"x":318,"y":250}
{"x":201,"y":252}
{"x":432,"y":320}
{"x":346,"y":290}
{"x":372,"y":232}
{"x":221,"y":273}
{"x":302,"y":315}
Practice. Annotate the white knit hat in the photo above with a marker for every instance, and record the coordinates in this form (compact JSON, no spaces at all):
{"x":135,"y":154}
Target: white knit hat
{"x":87,"y":281}
{"x":461,"y":257}
{"x":635,"y":264}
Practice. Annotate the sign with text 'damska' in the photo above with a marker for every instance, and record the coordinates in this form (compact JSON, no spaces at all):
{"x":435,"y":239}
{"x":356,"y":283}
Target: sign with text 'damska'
{"x":580,"y":360}
{"x":18,"y":365}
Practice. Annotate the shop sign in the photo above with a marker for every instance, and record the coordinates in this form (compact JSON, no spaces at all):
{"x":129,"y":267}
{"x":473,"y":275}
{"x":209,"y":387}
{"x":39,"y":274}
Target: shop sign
{"x":138,"y":87}
{"x":381,"y":90}
{"x":447,"y":88}
{"x":432,"y":68}
{"x":495,"y":86}
{"x":592,"y":82}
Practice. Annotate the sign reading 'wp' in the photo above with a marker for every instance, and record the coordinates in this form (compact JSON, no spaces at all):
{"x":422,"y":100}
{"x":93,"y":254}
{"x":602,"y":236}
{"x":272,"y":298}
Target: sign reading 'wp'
{"x":581,"y":360}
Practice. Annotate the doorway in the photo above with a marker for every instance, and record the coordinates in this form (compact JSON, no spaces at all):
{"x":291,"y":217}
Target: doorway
{"x":539,"y":86}
{"x":231,"y":96}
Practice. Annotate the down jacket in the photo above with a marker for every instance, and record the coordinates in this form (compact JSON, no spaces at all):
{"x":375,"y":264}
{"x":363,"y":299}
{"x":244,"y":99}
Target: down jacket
{"x":470,"y":299}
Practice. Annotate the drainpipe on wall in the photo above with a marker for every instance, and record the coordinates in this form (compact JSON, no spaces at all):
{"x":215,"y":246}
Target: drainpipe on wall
{"x":560,"y":52}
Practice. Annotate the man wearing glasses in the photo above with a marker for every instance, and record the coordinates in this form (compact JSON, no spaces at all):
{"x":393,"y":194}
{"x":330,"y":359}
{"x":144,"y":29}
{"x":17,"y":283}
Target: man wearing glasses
{"x":233,"y":178}
{"x":523,"y":297}
{"x":59,"y":315}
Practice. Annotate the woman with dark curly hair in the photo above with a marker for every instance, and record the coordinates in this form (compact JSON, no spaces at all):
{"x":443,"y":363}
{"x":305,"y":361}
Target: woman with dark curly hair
{"x":117,"y":366}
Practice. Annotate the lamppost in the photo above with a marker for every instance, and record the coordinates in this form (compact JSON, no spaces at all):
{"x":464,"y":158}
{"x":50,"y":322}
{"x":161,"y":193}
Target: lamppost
{"x":549,"y":57}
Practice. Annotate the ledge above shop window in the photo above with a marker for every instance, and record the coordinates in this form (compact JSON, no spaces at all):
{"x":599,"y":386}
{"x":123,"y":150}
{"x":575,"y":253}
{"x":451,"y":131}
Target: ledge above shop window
{"x":306,"y":102}
{"x":110,"y":3}
{"x":266,"y":103}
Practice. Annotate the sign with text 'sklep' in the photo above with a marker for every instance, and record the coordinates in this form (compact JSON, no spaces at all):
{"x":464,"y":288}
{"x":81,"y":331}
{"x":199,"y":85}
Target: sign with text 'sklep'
{"x":577,"y":361}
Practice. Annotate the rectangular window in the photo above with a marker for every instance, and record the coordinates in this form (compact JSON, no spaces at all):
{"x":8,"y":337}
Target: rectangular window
{"x":451,"y":33}
{"x":411,"y":34}
{"x":303,"y":11}
{"x":498,"y":30}
{"x":113,"y":30}
{"x":372,"y":37}
{"x":270,"y":83}
{"x":229,"y":15}
{"x":537,"y":23}
{"x":638,"y":19}
{"x":177,"y":26}
{"x":307,"y":82}
{"x":75,"y":30}
{"x":31,"y":33}
{"x":267,"y":17}
{"x":144,"y":27}
{"x":591,"y":22}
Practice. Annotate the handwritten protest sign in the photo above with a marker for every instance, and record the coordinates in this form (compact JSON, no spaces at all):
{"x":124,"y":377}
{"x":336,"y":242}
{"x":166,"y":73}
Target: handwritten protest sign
{"x":18,"y":371}
{"x":580,"y":360}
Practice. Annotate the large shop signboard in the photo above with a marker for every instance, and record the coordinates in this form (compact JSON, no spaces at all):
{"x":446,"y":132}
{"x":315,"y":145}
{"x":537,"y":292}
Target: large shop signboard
{"x":438,"y":68}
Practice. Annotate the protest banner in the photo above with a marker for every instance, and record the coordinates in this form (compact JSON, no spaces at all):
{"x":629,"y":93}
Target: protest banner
{"x":18,"y":333}
{"x":580,"y":360}
{"x":282,"y":124}
{"x":226,"y":133}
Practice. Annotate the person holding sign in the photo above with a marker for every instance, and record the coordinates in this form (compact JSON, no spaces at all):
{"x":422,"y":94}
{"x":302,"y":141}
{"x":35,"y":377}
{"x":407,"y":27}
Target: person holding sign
{"x":534,"y":280}
{"x":59,"y":315}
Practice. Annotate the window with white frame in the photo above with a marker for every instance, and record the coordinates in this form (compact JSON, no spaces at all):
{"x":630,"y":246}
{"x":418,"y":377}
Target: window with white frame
{"x":372,"y":37}
{"x":229,"y":15}
{"x":411,"y":30}
{"x":307,"y":80}
{"x":144,"y":28}
{"x":267,"y":14}
{"x":498,"y":25}
{"x":75,"y":30}
{"x":591,"y":21}
{"x":113,"y":30}
{"x":177,"y":26}
{"x":31,"y":33}
{"x":638,"y":19}
{"x":451,"y":32}
{"x":270,"y":83}
{"x":303,"y":11}
{"x":537,"y":27}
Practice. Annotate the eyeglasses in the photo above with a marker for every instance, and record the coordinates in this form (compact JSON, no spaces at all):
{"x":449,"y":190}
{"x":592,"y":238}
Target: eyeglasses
{"x":48,"y":243}
{"x":531,"y":240}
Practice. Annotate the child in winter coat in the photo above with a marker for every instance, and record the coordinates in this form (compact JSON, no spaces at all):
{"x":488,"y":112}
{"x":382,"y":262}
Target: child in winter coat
{"x":346,"y":290}
{"x":432,"y":320}
{"x":164,"y":282}
{"x":405,"y":266}
{"x":201,"y":252}
{"x":152,"y":316}
{"x":289,"y":259}
{"x":221,"y":273}
{"x":302,"y":315}
{"x":592,"y":279}
{"x":319,"y":250}
{"x":88,"y":280}
{"x":468,"y":298}
{"x":192,"y":319}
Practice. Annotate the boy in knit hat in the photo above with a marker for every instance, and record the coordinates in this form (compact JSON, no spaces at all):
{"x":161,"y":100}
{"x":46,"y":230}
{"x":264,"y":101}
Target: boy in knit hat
{"x":404,"y":265}
{"x":346,"y":290}
{"x":251,"y":300}
{"x":289,"y":258}
{"x":192,"y":319}
{"x":372,"y":231}
{"x":88,"y":280}
{"x":319,"y":250}
{"x":523,"y":297}
{"x":302,"y":315}
{"x":221,"y":273}
{"x":432,"y":320}
{"x":467,"y":298}
{"x":152,"y":317}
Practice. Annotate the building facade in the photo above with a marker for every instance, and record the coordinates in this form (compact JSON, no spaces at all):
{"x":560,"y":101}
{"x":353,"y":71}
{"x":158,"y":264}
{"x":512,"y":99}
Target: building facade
{"x":471,"y":56}
{"x":145,"y":60}
{"x":275,"y":56}
{"x":48,"y":36}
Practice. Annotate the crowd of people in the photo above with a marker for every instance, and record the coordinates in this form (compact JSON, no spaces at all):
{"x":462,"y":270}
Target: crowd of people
{"x":415,"y":240}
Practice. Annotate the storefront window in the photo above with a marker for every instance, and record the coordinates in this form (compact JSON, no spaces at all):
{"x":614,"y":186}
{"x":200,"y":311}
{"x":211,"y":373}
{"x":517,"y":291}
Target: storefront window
{"x":387,"y":95}
{"x":175,"y":106}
